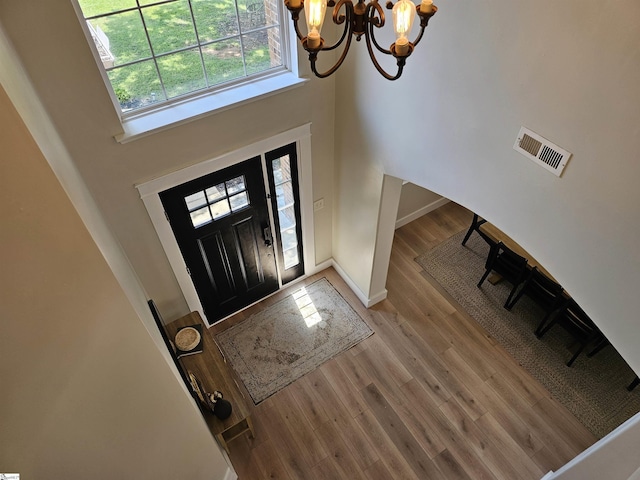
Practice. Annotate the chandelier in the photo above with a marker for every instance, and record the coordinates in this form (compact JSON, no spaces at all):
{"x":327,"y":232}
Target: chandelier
{"x":360,"y":19}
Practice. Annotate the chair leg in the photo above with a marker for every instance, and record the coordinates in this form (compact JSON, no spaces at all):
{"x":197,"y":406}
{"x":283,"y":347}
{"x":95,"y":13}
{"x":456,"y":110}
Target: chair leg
{"x":541,"y":331}
{"x":484,"y":277}
{"x":599,"y":346}
{"x":575,"y":355}
{"x":475,"y":224}
{"x":508,"y":301}
{"x":515,"y":300}
{"x":634,"y":384}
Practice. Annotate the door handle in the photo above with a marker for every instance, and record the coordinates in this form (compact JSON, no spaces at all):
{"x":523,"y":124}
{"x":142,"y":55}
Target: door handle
{"x":268,"y":239}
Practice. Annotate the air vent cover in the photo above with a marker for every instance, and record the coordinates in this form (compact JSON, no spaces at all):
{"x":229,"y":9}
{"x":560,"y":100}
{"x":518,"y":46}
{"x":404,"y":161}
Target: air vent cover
{"x":541,"y":151}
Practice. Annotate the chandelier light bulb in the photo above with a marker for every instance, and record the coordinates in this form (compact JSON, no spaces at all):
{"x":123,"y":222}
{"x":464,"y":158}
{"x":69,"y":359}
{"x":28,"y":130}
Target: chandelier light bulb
{"x":314,"y":11}
{"x":404,"y":13}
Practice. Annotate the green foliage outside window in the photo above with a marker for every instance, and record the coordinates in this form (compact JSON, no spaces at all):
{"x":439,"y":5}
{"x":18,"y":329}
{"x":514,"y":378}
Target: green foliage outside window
{"x":228,"y":52}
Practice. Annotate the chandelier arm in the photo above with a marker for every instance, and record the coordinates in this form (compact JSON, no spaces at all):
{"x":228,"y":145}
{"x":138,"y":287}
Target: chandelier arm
{"x":400,"y":61}
{"x":372,"y":9}
{"x":314,"y":55}
{"x":424,"y":21}
{"x":295,"y":16}
{"x":341,"y":19}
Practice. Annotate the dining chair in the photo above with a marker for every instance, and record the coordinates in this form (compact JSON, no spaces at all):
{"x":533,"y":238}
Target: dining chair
{"x":475,"y":226}
{"x":577,"y":323}
{"x":543,"y":291}
{"x":506,"y":263}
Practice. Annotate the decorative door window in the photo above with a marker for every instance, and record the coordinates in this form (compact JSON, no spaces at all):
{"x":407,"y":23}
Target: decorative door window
{"x":217,"y":201}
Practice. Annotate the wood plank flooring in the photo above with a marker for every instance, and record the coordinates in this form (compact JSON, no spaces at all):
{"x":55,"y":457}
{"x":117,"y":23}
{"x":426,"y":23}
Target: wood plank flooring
{"x":429,"y":396}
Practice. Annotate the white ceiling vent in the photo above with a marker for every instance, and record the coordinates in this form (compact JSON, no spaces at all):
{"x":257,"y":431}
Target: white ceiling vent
{"x":541,"y":151}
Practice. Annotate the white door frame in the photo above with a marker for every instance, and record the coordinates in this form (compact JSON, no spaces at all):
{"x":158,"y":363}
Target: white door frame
{"x":149,"y":193}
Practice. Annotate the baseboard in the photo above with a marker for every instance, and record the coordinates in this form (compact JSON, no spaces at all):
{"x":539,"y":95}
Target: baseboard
{"x":230,"y":475}
{"x":321,"y":266}
{"x":364,"y":299}
{"x":421,"y":211}
{"x":380,"y":296}
{"x":548,"y":476}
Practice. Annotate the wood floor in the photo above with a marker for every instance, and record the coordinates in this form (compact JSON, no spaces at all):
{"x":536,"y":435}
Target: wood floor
{"x":429,"y":396}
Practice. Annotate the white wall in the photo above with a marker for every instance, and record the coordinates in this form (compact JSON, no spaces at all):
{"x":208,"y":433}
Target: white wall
{"x":613,"y":458}
{"x":416,"y":201}
{"x":50,"y":43}
{"x":85,"y":391}
{"x":568,"y":70}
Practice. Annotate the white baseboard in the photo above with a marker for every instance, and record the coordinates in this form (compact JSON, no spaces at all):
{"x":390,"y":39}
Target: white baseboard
{"x":364,"y":299}
{"x":378,"y":297}
{"x":420,"y":212}
{"x":321,"y":266}
{"x":548,"y":476}
{"x":230,"y":475}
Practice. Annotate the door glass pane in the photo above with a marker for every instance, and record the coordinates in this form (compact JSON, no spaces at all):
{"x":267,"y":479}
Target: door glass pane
{"x":220,"y":209}
{"x":287,"y":218}
{"x":200,"y":217}
{"x":239,"y":201}
{"x":216,"y":193}
{"x":291,"y":258}
{"x":284,"y":195}
{"x":235,"y":185}
{"x":289,"y":238}
{"x":196,"y":200}
{"x":281,"y":169}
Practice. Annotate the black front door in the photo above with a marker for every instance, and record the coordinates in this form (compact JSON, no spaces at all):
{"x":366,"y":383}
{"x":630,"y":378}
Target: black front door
{"x":221,"y":224}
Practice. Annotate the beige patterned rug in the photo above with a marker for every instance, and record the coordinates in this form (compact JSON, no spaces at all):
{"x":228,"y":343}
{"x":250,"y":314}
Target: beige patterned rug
{"x":280,"y":344}
{"x":593,"y":389}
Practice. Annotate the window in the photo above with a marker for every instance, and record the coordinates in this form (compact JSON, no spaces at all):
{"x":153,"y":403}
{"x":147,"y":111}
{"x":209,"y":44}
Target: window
{"x":157,"y":51}
{"x":218,"y":201}
{"x":283,"y":182}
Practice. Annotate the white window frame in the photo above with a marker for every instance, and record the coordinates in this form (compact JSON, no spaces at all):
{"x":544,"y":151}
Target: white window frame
{"x":149,"y":193}
{"x":182,"y":110}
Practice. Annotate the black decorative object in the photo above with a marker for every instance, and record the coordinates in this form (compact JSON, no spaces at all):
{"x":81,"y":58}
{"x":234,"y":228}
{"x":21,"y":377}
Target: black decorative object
{"x":221,"y":408}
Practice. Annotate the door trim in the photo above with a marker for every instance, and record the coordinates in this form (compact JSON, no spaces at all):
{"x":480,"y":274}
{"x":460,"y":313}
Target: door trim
{"x":149,"y":191}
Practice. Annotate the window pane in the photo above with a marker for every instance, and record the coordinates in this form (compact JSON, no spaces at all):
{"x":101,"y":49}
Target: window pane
{"x":223,"y":61}
{"x":284,"y":195}
{"x":289,"y":238}
{"x":136,"y":85}
{"x":235,"y":185}
{"x":216,"y":193}
{"x":215,"y":19}
{"x":120,"y":36}
{"x":291,"y":258}
{"x":219,"y":209}
{"x":196,"y":200}
{"x":182,"y":72}
{"x":200,"y":217}
{"x":252,"y":14}
{"x":239,"y":201}
{"x":99,"y":7}
{"x":262,"y":50}
{"x":287,"y":218}
{"x":281,"y":169}
{"x":169,"y":26}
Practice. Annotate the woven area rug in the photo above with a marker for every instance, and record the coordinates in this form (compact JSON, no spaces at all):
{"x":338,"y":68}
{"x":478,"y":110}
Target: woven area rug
{"x":280,"y":344}
{"x":593,"y":389}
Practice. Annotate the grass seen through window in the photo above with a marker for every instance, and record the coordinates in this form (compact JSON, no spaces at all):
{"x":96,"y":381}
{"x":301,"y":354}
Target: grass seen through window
{"x":154,"y":52}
